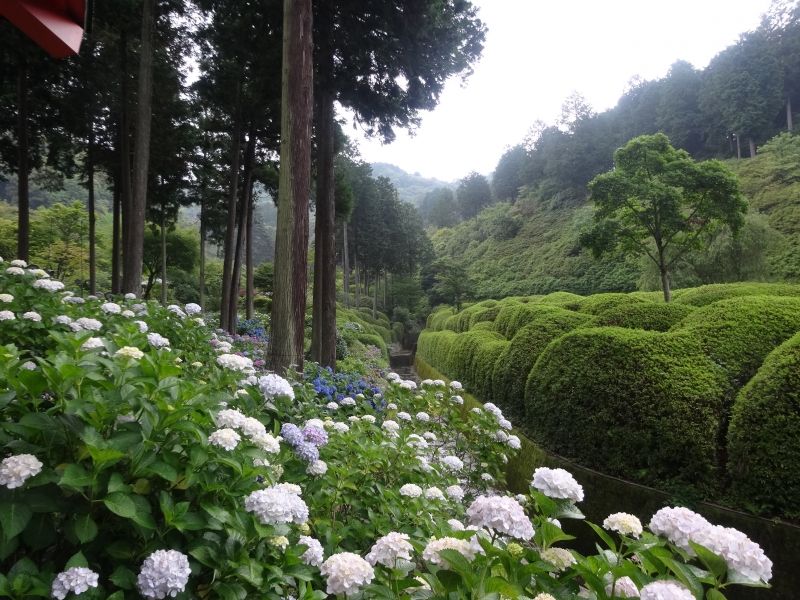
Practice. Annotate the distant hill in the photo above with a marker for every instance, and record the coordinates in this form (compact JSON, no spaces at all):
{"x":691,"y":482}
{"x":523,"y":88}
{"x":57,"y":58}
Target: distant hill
{"x":411,"y":187}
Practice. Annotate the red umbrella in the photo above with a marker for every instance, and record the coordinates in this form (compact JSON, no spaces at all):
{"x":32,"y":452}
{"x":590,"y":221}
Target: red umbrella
{"x":55,"y":25}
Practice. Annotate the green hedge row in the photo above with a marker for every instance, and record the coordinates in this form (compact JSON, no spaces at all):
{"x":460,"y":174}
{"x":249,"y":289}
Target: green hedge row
{"x":764,"y":436}
{"x":644,"y":315}
{"x":598,"y":303}
{"x":706,"y":294}
{"x":634,"y":403}
{"x":437,"y":319}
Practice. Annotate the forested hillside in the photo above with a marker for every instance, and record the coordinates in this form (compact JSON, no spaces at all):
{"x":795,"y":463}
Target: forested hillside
{"x":410,"y":187}
{"x":526,"y":239}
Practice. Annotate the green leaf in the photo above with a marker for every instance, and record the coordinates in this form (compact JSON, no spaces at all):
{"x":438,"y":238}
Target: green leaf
{"x":75,"y":476}
{"x":85,"y":528}
{"x":123,"y":577}
{"x":117,"y":484}
{"x":14,"y":517}
{"x":603,"y":536}
{"x":713,"y":562}
{"x":120,"y":504}
{"x":713,"y":594}
{"x":163,"y":470}
{"x":252,"y":572}
{"x":76,"y":560}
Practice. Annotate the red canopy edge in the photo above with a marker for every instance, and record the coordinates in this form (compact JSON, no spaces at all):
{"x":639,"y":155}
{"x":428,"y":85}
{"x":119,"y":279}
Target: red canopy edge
{"x":55,"y":25}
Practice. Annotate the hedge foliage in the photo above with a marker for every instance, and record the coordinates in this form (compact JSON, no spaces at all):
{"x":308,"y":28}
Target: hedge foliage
{"x":513,"y":318}
{"x":706,"y":294}
{"x":462,"y":350}
{"x":434,"y":348}
{"x":598,"y":303}
{"x":512,"y":367}
{"x":436,"y":319}
{"x":566,"y":299}
{"x":634,"y":403}
{"x":764,"y":436}
{"x":644,"y":315}
{"x":737,"y":334}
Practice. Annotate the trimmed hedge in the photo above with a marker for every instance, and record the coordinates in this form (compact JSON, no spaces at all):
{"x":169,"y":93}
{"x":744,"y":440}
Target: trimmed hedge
{"x":459,"y":360}
{"x":434,"y":348}
{"x":436,"y":320}
{"x":487,"y":352}
{"x":707,"y":294}
{"x":565,"y":299}
{"x":513,"y":318}
{"x":483,"y":326}
{"x":737,"y":334}
{"x":764,"y":436}
{"x":644,"y":315}
{"x":633,"y":403}
{"x":371,"y":339}
{"x":598,"y":303}
{"x":512,"y":368}
{"x":484,"y":315}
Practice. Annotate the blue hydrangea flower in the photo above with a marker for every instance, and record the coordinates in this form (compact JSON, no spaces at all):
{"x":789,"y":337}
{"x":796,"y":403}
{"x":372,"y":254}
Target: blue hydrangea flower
{"x":291,"y":434}
{"x":307,"y":452}
{"x":315,"y":435}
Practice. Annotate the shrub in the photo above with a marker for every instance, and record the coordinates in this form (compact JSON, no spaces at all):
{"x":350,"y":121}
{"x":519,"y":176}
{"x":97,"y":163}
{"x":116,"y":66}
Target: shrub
{"x":484,"y":315}
{"x":483,"y":326}
{"x":565,"y":299}
{"x":451,"y":323}
{"x":512,"y":319}
{"x":633,"y":403}
{"x":478,"y":377}
{"x":371,"y":339}
{"x":511,"y":371}
{"x":764,"y":436}
{"x":706,"y":294}
{"x":262,"y":303}
{"x":434,"y":348}
{"x":436,"y":320}
{"x":737,"y":334}
{"x":461,"y":352}
{"x":597,"y":303}
{"x":644,"y":315}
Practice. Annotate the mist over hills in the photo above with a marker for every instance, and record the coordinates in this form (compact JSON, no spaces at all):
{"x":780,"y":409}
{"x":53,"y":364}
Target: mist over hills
{"x":411,"y":187}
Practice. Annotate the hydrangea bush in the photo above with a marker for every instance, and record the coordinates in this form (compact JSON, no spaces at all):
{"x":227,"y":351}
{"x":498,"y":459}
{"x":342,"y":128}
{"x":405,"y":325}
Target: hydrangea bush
{"x":146,"y":457}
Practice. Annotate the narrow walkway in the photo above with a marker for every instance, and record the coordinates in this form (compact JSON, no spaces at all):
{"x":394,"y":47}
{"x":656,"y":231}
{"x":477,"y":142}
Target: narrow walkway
{"x":402,"y":362}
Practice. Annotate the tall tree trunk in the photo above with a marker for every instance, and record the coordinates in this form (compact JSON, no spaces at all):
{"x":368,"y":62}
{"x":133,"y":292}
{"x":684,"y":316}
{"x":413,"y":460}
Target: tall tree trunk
{"x":345,"y":265}
{"x":230,"y":229}
{"x":90,"y":183}
{"x":244,"y":206}
{"x":662,"y":268}
{"x":23,"y":167}
{"x":789,"y":117}
{"x":202,"y":282}
{"x":375,"y":295}
{"x":738,"y":148}
{"x":134,"y":251}
{"x":248,"y":251}
{"x":316,"y":291}
{"x":356,"y":270}
{"x":115,"y":236}
{"x":752,"y":147}
{"x":124,"y":165}
{"x":291,"y":239}
{"x":163,"y":258}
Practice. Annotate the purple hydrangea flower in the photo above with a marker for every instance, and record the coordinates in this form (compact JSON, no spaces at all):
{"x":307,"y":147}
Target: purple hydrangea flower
{"x":307,"y":452}
{"x":291,"y":434}
{"x":315,"y":435}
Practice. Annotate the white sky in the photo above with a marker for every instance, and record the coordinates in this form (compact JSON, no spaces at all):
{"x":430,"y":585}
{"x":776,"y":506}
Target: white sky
{"x":537,"y":52}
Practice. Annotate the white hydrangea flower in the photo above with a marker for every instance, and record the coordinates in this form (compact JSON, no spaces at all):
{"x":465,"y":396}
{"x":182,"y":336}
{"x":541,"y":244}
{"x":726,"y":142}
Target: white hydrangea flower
{"x":192,"y":308}
{"x":624,"y":523}
{"x":200,"y":321}
{"x":15,"y":271}
{"x":224,"y":438}
{"x":143,"y":328}
{"x":742,"y":555}
{"x":544,"y":596}
{"x":487,"y":477}
{"x":16,"y":470}
{"x":423,"y":416}
{"x":504,"y":423}
{"x":678,"y":525}
{"x":275,"y":386}
{"x":557,"y":483}
{"x":368,"y":418}
{"x":390,"y":426}
{"x":403,"y":416}
{"x":50,"y":285}
{"x":434,"y":493}
{"x":416,"y":441}
{"x":6,"y":298}
{"x":275,"y":505}
{"x":6,"y":315}
{"x":164,"y":573}
{"x":348,"y":401}
{"x":28,"y":365}
{"x":332,"y":406}
{"x":130,"y":296}
{"x":74,"y":300}
{"x":345,"y":573}
{"x":560,"y":558}
{"x":436,"y":545}
{"x":253,"y":427}
{"x":426,"y":382}
{"x":624,"y":587}
{"x":391,"y":406}
{"x":156,"y":340}
{"x":230,"y":417}
{"x":455,"y":492}
{"x":317,"y":468}
{"x":501,"y":436}
{"x":502,"y":514}
{"x":514,"y":442}
{"x":457,"y":400}
{"x":111,"y":308}
{"x":411,"y":490}
{"x":32,"y":315}
{"x":456,"y":385}
{"x":62,"y":320}
{"x":453,"y":463}
{"x":354,"y":419}
{"x":18,"y":262}
{"x":128,"y":314}
{"x":267,"y":442}
{"x":393,"y":377}
{"x":313,"y":556}
{"x":408,"y":384}
{"x":389,"y":549}
{"x":665,"y":590}
{"x":129,"y":352}
{"x":75,"y":580}
{"x":93,"y":343}
{"x":89,"y":324}
{"x":455,"y":524}
{"x":176,"y":310}
{"x":340,"y":427}
{"x":234,"y":362}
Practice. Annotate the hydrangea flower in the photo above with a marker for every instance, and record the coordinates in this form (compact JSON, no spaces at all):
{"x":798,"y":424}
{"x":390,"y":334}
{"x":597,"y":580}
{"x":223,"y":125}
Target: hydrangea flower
{"x":436,"y":545}
{"x":15,"y":271}
{"x":29,"y":365}
{"x":434,"y":493}
{"x":455,"y":492}
{"x":624,"y":523}
{"x":411,"y":490}
{"x":391,"y":427}
{"x":234,"y":362}
{"x":313,"y":556}
{"x":6,"y":298}
{"x":317,"y":468}
{"x":275,"y":505}
{"x":557,"y":483}
{"x":128,"y":314}
{"x":514,"y":442}
{"x":192,"y":308}
{"x":678,"y":525}
{"x":456,"y":385}
{"x":348,"y":401}
{"x":340,"y":427}
{"x":291,"y":434}
{"x":130,"y":296}
{"x":267,"y":442}
{"x":389,"y":549}
{"x":32,"y":315}
{"x":16,"y":470}
{"x":502,"y":514}
{"x":6,"y":315}
{"x":224,"y":438}
{"x":93,"y":343}
{"x":129,"y":352}
{"x":111,"y":308}
{"x":143,"y":329}
{"x":332,"y":406}
{"x":345,"y":573}
{"x":624,"y":587}
{"x":18,"y":262}
{"x":275,"y":386}
{"x":315,"y":435}
{"x":156,"y":340}
{"x":176,"y":310}
{"x":742,"y":555}
{"x":423,"y":416}
{"x":665,"y":590}
{"x":76,"y":580}
{"x":62,"y":320}
{"x":230,"y":417}
{"x":455,"y":524}
{"x":368,"y":418}
{"x":561,"y":558}
{"x":307,"y":452}
{"x":89,"y":324}
{"x":163,"y":573}
{"x":50,"y":285}
{"x":544,"y":596}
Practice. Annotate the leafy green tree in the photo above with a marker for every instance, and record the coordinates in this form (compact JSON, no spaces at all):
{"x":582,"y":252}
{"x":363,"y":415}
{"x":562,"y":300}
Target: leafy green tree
{"x":181,"y":249}
{"x":473,"y":194}
{"x":659,"y":202}
{"x":439,"y":209}
{"x":58,"y":235}
{"x":507,"y":178}
{"x":453,"y":283}
{"x":263,"y":277}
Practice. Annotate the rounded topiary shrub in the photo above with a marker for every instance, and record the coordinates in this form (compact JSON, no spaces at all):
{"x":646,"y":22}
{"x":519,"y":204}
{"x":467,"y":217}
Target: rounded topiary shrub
{"x":512,"y":369}
{"x":565,"y":299}
{"x":479,"y":372}
{"x":461,"y":352}
{"x":642,"y":405}
{"x":512,"y":319}
{"x":764,"y":436}
{"x":484,"y":315}
{"x":738,"y":333}
{"x":644,"y":315}
{"x":598,"y":303}
{"x":434,"y":348}
{"x":707,"y":294}
{"x":483,"y":326}
{"x":436,"y":320}
{"x":451,"y":323}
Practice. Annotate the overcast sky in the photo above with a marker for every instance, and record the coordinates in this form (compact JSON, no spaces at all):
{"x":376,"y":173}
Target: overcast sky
{"x":539,"y":51}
